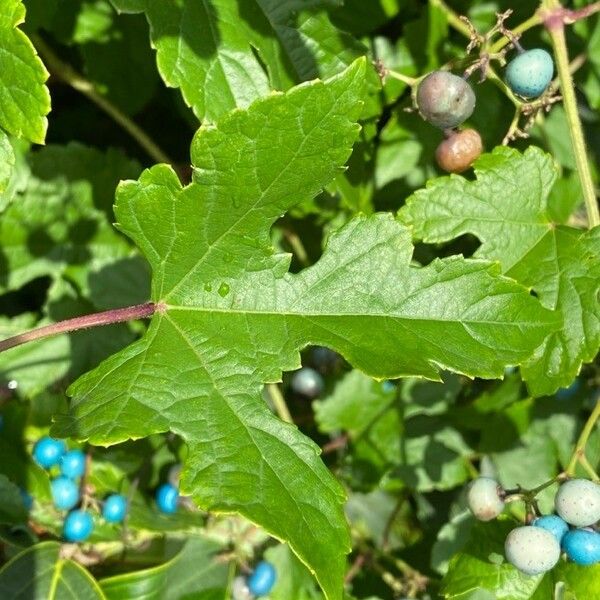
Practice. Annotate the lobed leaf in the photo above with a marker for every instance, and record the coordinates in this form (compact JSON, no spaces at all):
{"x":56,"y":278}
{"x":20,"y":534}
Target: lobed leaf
{"x":507,"y":209}
{"x":231,"y":317}
{"x":225,"y":54}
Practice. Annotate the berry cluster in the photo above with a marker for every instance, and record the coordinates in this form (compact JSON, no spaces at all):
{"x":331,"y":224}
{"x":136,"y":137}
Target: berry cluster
{"x":447,"y":100}
{"x":259,"y":583}
{"x":536,"y":548}
{"x":78,"y":525}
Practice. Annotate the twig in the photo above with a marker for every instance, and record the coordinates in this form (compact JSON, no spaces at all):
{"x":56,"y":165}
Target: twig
{"x":279,"y":402}
{"x":108,"y":317}
{"x":66,"y":73}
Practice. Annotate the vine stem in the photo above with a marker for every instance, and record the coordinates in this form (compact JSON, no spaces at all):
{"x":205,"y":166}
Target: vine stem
{"x":108,"y":317}
{"x":70,"y":76}
{"x":279,"y":402}
{"x":579,"y":452}
{"x":556,"y":29}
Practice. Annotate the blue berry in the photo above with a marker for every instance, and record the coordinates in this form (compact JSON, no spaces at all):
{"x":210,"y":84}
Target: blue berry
{"x":445,"y":100}
{"x":65,"y":493}
{"x":554,"y":524}
{"x":530,"y":73}
{"x":388,"y":386}
{"x":167,"y":497}
{"x":115,"y":508}
{"x":307,"y":382}
{"x":569,"y":392}
{"x":582,"y":546}
{"x":72,"y":464}
{"x":262,"y":579}
{"x":27,"y":499}
{"x":78,"y":526}
{"x":324,"y":358}
{"x":47,"y":451}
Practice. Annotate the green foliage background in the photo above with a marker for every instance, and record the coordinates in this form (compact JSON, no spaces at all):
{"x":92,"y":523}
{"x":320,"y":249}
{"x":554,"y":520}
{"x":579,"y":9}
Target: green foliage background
{"x":476,"y":295}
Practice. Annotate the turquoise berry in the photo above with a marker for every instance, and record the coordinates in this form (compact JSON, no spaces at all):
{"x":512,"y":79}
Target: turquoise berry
{"x":65,"y":493}
{"x":72,"y":464}
{"x":530,"y":73}
{"x":445,"y":100}
{"x":307,"y":382}
{"x":27,"y":499}
{"x":569,"y":392}
{"x":78,"y":526}
{"x":324,"y":358}
{"x":262,"y":579}
{"x":554,"y":524}
{"x":115,"y":508}
{"x":582,"y":546}
{"x":47,"y":451}
{"x":167,"y":497}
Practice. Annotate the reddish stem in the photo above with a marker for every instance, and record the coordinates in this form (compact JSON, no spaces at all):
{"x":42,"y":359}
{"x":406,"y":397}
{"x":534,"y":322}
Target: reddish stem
{"x":566,"y":16}
{"x":116,"y":315}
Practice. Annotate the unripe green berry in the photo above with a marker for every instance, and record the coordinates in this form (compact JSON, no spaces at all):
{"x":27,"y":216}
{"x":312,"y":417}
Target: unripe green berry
{"x":458,"y":152}
{"x":445,"y":100}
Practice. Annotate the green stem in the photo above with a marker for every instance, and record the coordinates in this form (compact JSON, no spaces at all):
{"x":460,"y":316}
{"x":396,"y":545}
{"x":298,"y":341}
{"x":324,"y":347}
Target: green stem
{"x":279,"y":402}
{"x":108,"y":317}
{"x":556,"y":29}
{"x":297,"y":246}
{"x":533,"y":21}
{"x":453,"y":19}
{"x":579,"y":451}
{"x":66,"y":73}
{"x":410,"y":81}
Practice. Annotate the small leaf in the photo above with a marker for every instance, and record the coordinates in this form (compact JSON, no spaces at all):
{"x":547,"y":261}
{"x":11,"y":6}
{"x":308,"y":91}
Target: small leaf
{"x":40,"y":572}
{"x":507,"y":209}
{"x":12,"y":509}
{"x":24,"y":98}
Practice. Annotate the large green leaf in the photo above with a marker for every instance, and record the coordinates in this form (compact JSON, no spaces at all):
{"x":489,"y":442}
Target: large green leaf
{"x":24,"y":98}
{"x":39,"y":573}
{"x":230,"y":317}
{"x":195,"y":572}
{"x":507,"y":209}
{"x":225,"y":54}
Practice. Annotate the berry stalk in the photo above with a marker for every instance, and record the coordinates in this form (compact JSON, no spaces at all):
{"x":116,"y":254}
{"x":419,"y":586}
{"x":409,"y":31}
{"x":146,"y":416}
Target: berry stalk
{"x":556,"y":29}
{"x":108,"y":317}
{"x":579,"y":452}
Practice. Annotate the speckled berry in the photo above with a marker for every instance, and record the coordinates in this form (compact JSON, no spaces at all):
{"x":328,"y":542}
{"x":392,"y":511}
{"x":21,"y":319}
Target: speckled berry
{"x":554,"y":524}
{"x":578,"y":502}
{"x":458,"y":152}
{"x":532,"y":550}
{"x":530,"y":73}
{"x":483,"y":498}
{"x":445,"y":100}
{"x":582,"y":546}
